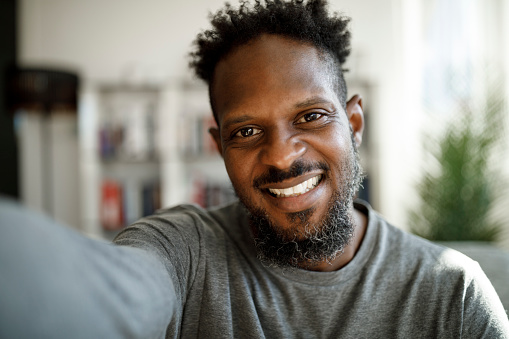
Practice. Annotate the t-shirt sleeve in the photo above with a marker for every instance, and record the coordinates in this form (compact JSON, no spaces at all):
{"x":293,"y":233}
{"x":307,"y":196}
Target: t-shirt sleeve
{"x":55,"y":283}
{"x":484,"y":314}
{"x":173,"y":237}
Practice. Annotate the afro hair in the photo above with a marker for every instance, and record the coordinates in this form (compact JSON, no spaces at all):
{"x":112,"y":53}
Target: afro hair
{"x":306,"y":21}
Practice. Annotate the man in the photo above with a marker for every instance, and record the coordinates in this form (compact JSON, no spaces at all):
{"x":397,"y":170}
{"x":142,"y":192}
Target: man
{"x":296,"y":257}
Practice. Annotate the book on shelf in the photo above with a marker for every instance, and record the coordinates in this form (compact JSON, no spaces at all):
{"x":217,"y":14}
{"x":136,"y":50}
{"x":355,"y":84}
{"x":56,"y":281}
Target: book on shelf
{"x":208,"y":193}
{"x":124,"y":202}
{"x":151,"y":198}
{"x":127,"y":130}
{"x":194,"y":137}
{"x":111,"y":212}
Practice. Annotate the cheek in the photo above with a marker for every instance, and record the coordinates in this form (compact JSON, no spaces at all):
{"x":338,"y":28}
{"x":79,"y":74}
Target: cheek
{"x":333,"y":144}
{"x":238,"y":167}
{"x":341,"y":144}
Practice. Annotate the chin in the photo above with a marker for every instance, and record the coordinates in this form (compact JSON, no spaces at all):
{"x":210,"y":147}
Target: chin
{"x":305,"y":243}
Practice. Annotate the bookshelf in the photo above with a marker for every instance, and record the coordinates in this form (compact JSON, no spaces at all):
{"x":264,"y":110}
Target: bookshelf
{"x":127,"y":153}
{"x":146,"y":147}
{"x":203,"y":178}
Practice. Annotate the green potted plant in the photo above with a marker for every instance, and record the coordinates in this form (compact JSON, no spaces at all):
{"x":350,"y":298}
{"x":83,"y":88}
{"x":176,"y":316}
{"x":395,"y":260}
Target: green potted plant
{"x":458,"y":194}
{"x":461,"y":189}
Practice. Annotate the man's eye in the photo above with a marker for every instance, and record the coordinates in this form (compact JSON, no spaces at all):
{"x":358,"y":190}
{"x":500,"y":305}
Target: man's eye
{"x":247,"y":132}
{"x":309,"y":117}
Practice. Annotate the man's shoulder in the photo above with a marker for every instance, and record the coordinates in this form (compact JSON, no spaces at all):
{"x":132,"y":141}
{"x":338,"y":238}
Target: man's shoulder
{"x":192,"y":221}
{"x":432,"y":281}
{"x":187,"y":214}
{"x":405,"y":251}
{"x":183,"y":231}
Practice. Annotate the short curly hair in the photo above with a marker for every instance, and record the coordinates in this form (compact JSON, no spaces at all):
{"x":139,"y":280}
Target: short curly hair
{"x":306,"y":21}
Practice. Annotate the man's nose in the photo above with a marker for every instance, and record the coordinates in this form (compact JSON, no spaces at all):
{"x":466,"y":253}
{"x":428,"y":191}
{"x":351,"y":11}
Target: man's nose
{"x":281,"y":149}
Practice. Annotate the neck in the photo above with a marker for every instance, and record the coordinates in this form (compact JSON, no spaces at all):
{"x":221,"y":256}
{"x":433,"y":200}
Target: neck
{"x":342,"y":259}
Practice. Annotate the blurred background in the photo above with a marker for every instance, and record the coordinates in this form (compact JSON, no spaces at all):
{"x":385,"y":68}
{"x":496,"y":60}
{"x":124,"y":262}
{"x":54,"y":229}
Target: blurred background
{"x":133,"y":138}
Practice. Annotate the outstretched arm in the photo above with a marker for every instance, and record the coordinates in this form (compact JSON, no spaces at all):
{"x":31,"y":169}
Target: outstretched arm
{"x":55,"y":283}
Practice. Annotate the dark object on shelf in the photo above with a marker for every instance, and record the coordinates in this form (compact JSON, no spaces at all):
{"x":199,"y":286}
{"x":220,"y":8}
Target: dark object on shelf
{"x":42,"y":90}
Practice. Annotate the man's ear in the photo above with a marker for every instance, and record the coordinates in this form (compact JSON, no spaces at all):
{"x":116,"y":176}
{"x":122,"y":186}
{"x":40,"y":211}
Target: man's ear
{"x":214,"y":131}
{"x":356,"y":117}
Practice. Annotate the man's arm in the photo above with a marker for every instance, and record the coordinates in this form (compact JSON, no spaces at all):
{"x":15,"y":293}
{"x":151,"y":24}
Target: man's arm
{"x":55,"y":283}
{"x":484,"y":315}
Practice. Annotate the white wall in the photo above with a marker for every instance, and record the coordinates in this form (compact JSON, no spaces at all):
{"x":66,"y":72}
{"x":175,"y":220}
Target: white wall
{"x":505,"y":43}
{"x":381,"y":55}
{"x":112,"y":40}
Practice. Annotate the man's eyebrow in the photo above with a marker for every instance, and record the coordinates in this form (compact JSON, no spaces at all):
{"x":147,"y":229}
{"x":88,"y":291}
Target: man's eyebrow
{"x":303,"y":104}
{"x":236,"y":120}
{"x":312,"y":101}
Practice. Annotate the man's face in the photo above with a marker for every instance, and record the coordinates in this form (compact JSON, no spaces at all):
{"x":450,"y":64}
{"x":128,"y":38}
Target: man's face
{"x":284,"y":136}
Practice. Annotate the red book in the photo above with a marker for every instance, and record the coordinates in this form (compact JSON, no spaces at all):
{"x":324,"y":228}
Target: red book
{"x":111,"y":206}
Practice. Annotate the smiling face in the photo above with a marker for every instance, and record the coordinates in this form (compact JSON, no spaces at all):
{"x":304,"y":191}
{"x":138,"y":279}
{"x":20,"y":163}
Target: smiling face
{"x":285,"y":137}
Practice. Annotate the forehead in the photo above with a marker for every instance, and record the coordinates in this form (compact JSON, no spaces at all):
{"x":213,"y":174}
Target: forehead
{"x":270,"y":71}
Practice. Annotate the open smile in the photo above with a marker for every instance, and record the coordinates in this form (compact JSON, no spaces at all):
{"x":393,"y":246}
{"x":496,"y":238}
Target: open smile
{"x":296,"y":190}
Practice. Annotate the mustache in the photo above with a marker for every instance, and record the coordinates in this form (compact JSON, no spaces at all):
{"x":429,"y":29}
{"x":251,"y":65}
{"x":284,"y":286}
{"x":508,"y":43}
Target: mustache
{"x":298,"y":168}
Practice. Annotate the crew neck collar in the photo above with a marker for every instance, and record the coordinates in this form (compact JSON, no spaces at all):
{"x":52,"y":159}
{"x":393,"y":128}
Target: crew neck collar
{"x":304,"y":276}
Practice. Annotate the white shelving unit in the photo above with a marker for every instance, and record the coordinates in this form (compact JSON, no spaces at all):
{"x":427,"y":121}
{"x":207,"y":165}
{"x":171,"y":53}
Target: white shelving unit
{"x":188,"y":153}
{"x":166,"y":142}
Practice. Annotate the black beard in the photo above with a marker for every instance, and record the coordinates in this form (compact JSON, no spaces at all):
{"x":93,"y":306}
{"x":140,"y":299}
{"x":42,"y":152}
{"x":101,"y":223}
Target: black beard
{"x":317,"y":243}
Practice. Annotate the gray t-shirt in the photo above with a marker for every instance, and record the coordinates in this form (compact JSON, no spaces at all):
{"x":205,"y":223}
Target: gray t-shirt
{"x":396,"y":286}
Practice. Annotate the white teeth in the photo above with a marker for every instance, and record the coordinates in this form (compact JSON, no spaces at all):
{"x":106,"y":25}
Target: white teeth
{"x":275,"y":191}
{"x":288,"y":191}
{"x":298,"y":189}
